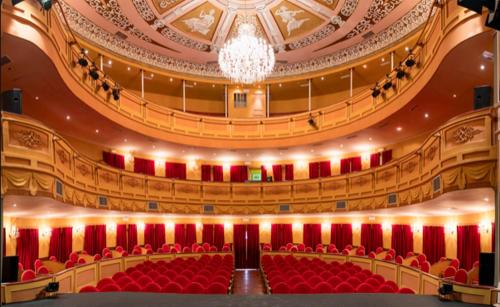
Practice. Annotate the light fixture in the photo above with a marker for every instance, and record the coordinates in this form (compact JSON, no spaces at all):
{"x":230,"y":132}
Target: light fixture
{"x":94,"y":73}
{"x":46,"y":4}
{"x":82,"y":61}
{"x":375,"y":91}
{"x":322,"y":78}
{"x":116,"y":93}
{"x":246,"y":58}
{"x":68,"y":117}
{"x":128,"y":68}
{"x":96,"y":130}
{"x":365,"y":66}
{"x":105,"y":86}
{"x":426,"y":115}
{"x":171,"y":79}
{"x":110,"y":62}
{"x":36,"y":98}
{"x":399,"y":129}
{"x":280,"y":85}
{"x":482,"y":67}
{"x":454,"y":95}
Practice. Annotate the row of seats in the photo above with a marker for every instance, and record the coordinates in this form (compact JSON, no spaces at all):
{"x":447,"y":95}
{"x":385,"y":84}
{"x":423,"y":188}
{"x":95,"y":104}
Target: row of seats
{"x":291,"y":275}
{"x":207,"y":275}
{"x":177,"y":248}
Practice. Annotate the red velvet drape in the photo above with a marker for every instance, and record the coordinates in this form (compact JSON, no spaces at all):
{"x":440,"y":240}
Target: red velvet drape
{"x":159,"y":236}
{"x":175,"y":170}
{"x":144,"y":166}
{"x":27,"y":247}
{"x":149,"y":235}
{"x":239,"y":173}
{"x":402,"y":239}
{"x":313,"y":170}
{"x":114,"y":160}
{"x":289,"y":172}
{"x":263,"y":173}
{"x":207,"y":234}
{"x":312,"y":235}
{"x":356,"y":164}
{"x":121,"y":236}
{"x":218,"y":173}
{"x":345,"y":166}
{"x":88,"y":240}
{"x":325,"y":169}
{"x":375,"y":159}
{"x":277,"y":173}
{"x":371,"y":236}
{"x":206,"y":172}
{"x":185,"y":234}
{"x":214,"y":235}
{"x":341,"y":235}
{"x":246,"y":245}
{"x":433,"y":243}
{"x":131,"y":237}
{"x":281,"y":234}
{"x":61,"y":243}
{"x":468,"y":245}
{"x":386,"y":156}
{"x":100,"y":238}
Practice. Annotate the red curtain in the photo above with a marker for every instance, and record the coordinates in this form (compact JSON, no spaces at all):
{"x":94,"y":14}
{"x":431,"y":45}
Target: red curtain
{"x":149,"y":235}
{"x":246,"y":245}
{"x":313,"y":170}
{"x":159,"y":236}
{"x":88,"y":240}
{"x":345,"y":166}
{"x":207,"y":234}
{"x":375,"y":159}
{"x":263,"y":172}
{"x":205,"y":172}
{"x":114,"y":160}
{"x":185,"y":234}
{"x":371,"y":236}
{"x":131,"y":237}
{"x":386,"y":156}
{"x":281,"y":234}
{"x":433,"y":243}
{"x":402,"y":239}
{"x":27,"y":247}
{"x":218,"y":173}
{"x":239,"y":173}
{"x":312,"y":235}
{"x":356,"y":164}
{"x":468,"y":245}
{"x":175,"y":170}
{"x":289,"y":172}
{"x":144,"y":166}
{"x":100,"y":238}
{"x":341,"y":235}
{"x":61,"y":243}
{"x":325,"y":169}
{"x":278,"y":172}
{"x":121,"y":236}
{"x":214,"y":235}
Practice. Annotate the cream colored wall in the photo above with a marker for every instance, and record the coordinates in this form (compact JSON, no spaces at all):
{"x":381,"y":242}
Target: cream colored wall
{"x":256,"y":102}
{"x":44,"y":225}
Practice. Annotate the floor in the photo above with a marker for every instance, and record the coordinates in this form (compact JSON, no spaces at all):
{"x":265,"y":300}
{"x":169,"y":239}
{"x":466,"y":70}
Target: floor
{"x":248,"y":282}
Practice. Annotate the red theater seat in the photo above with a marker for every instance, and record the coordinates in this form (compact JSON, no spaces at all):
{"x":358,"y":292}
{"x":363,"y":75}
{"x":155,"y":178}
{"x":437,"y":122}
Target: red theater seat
{"x":308,"y":249}
{"x":399,"y":259}
{"x":322,"y":287}
{"x":172,"y":287}
{"x":392,"y":284}
{"x":406,"y":291}
{"x":414,"y":263}
{"x":28,"y":275}
{"x":82,"y":261}
{"x":365,"y":288}
{"x":88,"y":289}
{"x":151,"y":287}
{"x":193,"y":287}
{"x":409,"y":254}
{"x":421,"y":258}
{"x":372,"y":255}
{"x":42,"y":270}
{"x":461,"y":276}
{"x":280,"y":288}
{"x":97,"y":257}
{"x":216,"y":288}
{"x":131,"y":287}
{"x":450,"y":272}
{"x":38,"y":263}
{"x":455,"y":263}
{"x":105,"y":281}
{"x":378,"y":250}
{"x":301,"y":288}
{"x":110,"y":288}
{"x":69,"y":264}
{"x":385,"y":289}
{"x":52,"y":258}
{"x":344,"y":287}
{"x":425,"y":266}
{"x":119,"y":249}
{"x":388,"y":257}
{"x":73,"y":257}
{"x":301,"y":247}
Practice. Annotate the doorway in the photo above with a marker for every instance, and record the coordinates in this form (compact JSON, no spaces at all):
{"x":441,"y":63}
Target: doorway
{"x":246,"y":246}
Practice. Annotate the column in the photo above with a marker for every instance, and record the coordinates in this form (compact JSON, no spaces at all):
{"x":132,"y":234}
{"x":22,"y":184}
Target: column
{"x":268,"y":99}
{"x":392,"y":60}
{"x":309,"y":96}
{"x":101,"y":62}
{"x":184,"y":95}
{"x":225,"y":101}
{"x":351,"y":76}
{"x":142,"y":83}
{"x":496,"y":103}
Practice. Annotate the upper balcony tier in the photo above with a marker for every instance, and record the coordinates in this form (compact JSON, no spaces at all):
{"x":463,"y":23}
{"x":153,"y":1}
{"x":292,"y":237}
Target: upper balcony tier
{"x":459,"y":155}
{"x":450,"y":26}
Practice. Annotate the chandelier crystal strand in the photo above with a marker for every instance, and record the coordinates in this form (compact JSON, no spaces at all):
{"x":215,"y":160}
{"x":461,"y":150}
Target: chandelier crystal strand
{"x":246,"y":58}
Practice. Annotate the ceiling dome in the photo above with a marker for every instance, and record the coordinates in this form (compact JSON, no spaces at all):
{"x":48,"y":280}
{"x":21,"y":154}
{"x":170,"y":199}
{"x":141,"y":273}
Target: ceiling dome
{"x":185,"y":36}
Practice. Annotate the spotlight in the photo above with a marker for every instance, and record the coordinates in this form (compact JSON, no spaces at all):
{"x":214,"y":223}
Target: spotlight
{"x":46,"y":4}
{"x":400,"y":73}
{"x":410,"y":62}
{"x":116,"y":93}
{"x":388,"y":83}
{"x":105,"y":86}
{"x":375,"y":91}
{"x":312,"y":122}
{"x":94,"y":74}
{"x":82,"y":61}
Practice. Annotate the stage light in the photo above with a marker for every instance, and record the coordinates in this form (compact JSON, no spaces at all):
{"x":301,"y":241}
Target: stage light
{"x":375,"y":91}
{"x":82,"y":61}
{"x":94,"y":73}
{"x":400,"y":73}
{"x":387,"y":84}
{"x":105,"y":86}
{"x":410,"y":62}
{"x":46,"y":4}
{"x":116,"y":93}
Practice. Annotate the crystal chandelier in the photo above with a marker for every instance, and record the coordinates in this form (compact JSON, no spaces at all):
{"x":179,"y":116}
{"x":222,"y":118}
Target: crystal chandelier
{"x":246,"y":58}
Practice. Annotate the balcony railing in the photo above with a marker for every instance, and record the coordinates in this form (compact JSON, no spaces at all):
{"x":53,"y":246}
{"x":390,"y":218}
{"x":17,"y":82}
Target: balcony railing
{"x":459,"y":155}
{"x":450,"y":26}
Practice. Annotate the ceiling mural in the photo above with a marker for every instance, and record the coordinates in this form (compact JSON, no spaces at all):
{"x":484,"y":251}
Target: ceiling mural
{"x":200,"y":22}
{"x":185,"y":36}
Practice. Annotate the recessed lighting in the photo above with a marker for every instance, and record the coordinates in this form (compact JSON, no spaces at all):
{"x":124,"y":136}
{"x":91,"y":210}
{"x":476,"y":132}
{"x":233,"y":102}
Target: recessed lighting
{"x":96,"y":130}
{"x":281,"y":153}
{"x":110,"y":62}
{"x":128,"y":68}
{"x":312,"y":150}
{"x":183,"y":151}
{"x":125,"y":140}
{"x":341,"y":145}
{"x":171,"y":79}
{"x":399,"y":129}
{"x":280,"y":85}
{"x":68,"y":117}
{"x":154,"y":146}
{"x":370,"y":139}
{"x":322,"y":78}
{"x":482,"y":67}
{"x":152,"y":75}
{"x":213,"y":85}
{"x":14,"y":205}
{"x":426,"y":115}
{"x":36,"y":97}
{"x":86,"y":51}
{"x":486,"y":199}
{"x":454,"y":95}
{"x":194,"y":83}
{"x":382,"y":59}
{"x":365,"y":66}
{"x":407,"y":48}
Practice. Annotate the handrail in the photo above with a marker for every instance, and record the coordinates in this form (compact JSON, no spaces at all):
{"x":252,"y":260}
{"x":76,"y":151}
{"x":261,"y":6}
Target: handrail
{"x":460,"y":154}
{"x":333,"y":121}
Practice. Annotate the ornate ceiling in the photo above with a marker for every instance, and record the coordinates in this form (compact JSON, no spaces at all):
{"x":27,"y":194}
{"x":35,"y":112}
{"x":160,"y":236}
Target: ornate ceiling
{"x":185,"y":35}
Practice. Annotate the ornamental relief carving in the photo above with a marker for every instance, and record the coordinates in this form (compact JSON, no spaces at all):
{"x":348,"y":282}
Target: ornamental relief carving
{"x":465,"y":134}
{"x":385,"y":176}
{"x":187,"y":189}
{"x":305,"y":188}
{"x":83,"y":169}
{"x":28,"y":138}
{"x":215,"y":190}
{"x":277,"y":190}
{"x":132,"y":182}
{"x":431,"y":153}
{"x":62,"y":155}
{"x":409,"y":167}
{"x":106,"y":177}
{"x":359,"y":181}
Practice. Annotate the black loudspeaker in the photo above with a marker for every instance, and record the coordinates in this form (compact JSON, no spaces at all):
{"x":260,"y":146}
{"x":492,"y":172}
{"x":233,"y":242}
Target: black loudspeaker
{"x":474,"y":5}
{"x":482,"y":97}
{"x":493,"y":18}
{"x":9,"y":268}
{"x":487,"y":269}
{"x":11,"y":101}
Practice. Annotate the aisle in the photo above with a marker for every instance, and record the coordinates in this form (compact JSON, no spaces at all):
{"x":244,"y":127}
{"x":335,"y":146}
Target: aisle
{"x":248,"y":282}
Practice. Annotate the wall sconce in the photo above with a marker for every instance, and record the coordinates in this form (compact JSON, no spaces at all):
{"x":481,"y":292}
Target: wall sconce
{"x":228,"y":226}
{"x":14,"y":232}
{"x":169,"y":225}
{"x":265,"y":226}
{"x":386,"y":226}
{"x":416,"y":228}
{"x":226,"y":167}
{"x":140,"y":226}
{"x":199,"y":226}
{"x":78,"y":228}
{"x":484,"y":227}
{"x":451,"y":228}
{"x":112,"y":226}
{"x":46,"y":232}
{"x":326,"y":227}
{"x":296,"y":225}
{"x":356,"y":226}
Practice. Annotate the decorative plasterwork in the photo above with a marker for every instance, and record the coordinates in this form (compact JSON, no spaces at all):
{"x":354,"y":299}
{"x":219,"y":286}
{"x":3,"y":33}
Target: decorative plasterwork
{"x":293,"y":20}
{"x":159,"y":26}
{"x":253,"y":19}
{"x":200,"y":22}
{"x":28,"y":138}
{"x":404,"y":26}
{"x":163,"y":6}
{"x":465,"y":134}
{"x":331,"y":4}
